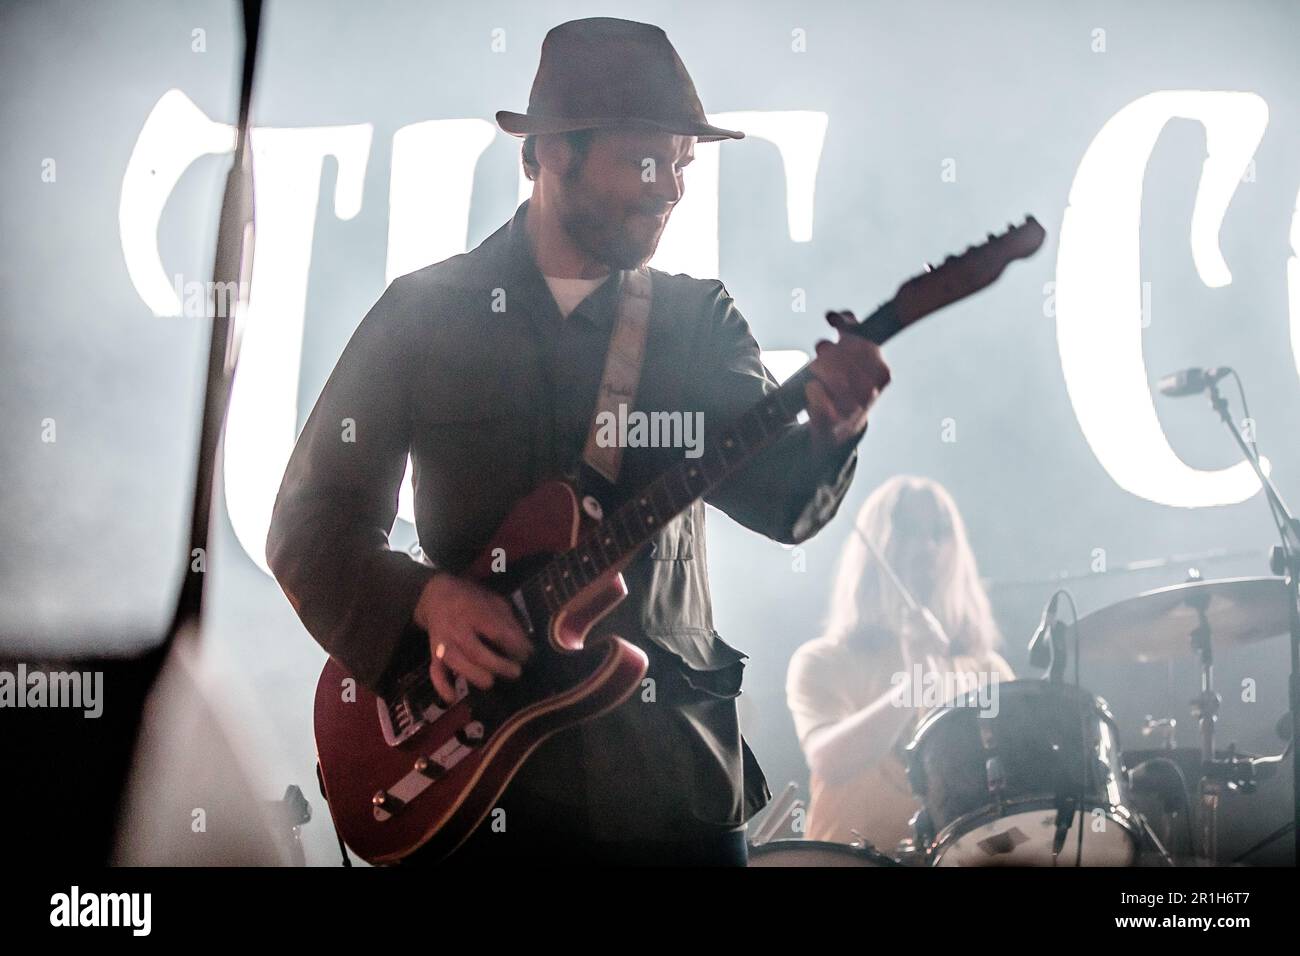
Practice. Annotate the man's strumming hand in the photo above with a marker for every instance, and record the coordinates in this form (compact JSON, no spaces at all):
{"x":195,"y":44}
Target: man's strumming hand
{"x":472,"y":632}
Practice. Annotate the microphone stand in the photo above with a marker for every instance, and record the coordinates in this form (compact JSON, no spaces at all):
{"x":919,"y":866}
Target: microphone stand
{"x":1285,"y":561}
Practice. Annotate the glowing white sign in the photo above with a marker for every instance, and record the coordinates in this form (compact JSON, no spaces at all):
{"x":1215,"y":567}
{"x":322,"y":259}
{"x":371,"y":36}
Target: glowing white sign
{"x":1098,"y":288}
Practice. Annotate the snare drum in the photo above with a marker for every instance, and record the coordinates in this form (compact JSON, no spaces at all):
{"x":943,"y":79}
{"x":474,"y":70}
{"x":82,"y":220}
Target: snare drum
{"x":1004,"y":789}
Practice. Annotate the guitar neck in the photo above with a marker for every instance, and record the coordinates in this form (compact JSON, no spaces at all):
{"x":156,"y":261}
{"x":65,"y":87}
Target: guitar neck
{"x":642,"y":516}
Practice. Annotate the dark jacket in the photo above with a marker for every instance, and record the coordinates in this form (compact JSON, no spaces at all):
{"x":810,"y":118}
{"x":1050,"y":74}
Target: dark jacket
{"x":468,"y":366}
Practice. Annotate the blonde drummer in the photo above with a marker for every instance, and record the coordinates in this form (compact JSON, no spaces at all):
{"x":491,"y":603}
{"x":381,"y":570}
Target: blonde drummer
{"x":909,"y":622}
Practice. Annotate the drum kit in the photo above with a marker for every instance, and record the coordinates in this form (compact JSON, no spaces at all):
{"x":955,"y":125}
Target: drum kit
{"x":1040,"y":779}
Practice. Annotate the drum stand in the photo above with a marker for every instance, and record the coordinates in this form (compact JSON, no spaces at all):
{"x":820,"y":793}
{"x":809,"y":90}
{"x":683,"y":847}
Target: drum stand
{"x":1285,"y":562}
{"x":1150,"y":835}
{"x":1205,"y":707}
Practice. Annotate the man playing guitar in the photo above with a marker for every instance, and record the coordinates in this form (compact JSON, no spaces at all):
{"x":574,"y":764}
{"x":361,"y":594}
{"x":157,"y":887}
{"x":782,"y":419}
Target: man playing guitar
{"x":485,"y":369}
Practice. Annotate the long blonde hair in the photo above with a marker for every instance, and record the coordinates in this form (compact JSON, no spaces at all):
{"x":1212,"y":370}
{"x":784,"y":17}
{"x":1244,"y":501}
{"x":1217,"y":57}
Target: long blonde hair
{"x":866,"y":606}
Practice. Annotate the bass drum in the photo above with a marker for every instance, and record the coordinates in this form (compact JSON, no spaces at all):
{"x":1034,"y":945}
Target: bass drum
{"x":814,"y":853}
{"x":999,"y":789}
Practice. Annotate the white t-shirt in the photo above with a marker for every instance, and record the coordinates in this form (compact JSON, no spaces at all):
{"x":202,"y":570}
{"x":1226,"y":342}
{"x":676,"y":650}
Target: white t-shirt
{"x":830,"y":681}
{"x":570,"y":292}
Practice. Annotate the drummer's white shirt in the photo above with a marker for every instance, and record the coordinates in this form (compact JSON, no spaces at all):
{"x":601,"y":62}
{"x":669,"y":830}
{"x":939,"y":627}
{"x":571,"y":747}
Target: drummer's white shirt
{"x":829,"y":681}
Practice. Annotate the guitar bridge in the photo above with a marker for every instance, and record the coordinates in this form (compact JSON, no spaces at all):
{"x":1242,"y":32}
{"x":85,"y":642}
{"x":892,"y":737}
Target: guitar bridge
{"x":413,"y":708}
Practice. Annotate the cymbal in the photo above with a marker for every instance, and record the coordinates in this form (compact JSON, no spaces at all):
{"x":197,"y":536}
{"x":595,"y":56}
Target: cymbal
{"x":1158,"y":625}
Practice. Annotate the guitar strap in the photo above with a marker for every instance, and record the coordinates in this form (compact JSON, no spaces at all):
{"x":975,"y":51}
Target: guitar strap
{"x":622,"y":376}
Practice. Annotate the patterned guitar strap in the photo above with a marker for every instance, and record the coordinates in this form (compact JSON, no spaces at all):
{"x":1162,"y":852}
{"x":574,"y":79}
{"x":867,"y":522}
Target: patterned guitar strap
{"x":618,"y":387}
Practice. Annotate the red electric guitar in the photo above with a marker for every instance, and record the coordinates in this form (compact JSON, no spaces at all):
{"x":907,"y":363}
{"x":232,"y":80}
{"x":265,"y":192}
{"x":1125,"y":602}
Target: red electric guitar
{"x":415,"y":771}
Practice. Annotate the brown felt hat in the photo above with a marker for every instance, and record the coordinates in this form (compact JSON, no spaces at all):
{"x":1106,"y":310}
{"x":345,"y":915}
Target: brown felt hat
{"x":605,"y":73}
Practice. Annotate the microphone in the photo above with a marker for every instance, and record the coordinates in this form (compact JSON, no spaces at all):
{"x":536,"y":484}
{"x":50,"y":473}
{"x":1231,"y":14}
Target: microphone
{"x":1040,"y":648}
{"x":1191,"y":381}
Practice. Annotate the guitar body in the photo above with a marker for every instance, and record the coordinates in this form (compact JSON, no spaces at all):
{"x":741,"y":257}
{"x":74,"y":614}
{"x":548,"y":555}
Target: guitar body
{"x":428,"y":783}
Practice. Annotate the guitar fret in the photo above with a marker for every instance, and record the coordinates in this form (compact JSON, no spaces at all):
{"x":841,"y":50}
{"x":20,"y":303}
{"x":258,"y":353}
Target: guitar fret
{"x":582,"y":571}
{"x":528,"y":591}
{"x":566,"y":577}
{"x":661,"y":501}
{"x":730,"y":447}
{"x":574,"y":566}
{"x":586,"y":566}
{"x":608,"y":546}
{"x":680,"y":474}
{"x":693,"y":477}
{"x":707,"y":463}
{"x":629,"y":538}
{"x":546,"y":581}
{"x":534,"y":593}
{"x":773,"y":414}
{"x":685,"y":495}
{"x":646,"y":513}
{"x":752,"y":429}
{"x":603,"y":537}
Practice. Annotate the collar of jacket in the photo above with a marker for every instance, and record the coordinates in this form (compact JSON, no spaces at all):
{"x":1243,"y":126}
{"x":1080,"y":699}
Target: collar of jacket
{"x":509,"y":247}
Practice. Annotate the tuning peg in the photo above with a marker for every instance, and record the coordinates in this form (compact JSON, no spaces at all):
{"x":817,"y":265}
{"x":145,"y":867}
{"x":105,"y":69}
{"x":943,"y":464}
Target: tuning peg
{"x":927,"y":267}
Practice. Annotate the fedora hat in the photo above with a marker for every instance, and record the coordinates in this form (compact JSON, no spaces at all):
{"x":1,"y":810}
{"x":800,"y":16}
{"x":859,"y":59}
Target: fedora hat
{"x":606,"y":73}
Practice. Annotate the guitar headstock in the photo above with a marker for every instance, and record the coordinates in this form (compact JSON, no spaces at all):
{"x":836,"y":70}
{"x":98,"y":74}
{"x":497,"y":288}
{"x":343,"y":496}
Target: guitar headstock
{"x":961,"y":275}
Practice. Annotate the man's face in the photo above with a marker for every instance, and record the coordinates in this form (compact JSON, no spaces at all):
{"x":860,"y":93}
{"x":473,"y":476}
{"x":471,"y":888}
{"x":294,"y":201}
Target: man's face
{"x":616,"y":204}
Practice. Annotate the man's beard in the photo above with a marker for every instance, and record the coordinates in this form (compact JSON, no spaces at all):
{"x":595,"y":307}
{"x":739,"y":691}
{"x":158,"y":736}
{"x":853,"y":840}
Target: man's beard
{"x":605,"y":239}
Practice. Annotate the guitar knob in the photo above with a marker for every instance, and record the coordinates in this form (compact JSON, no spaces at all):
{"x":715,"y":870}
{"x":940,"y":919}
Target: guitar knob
{"x":383,"y":800}
{"x":471,"y":735}
{"x":425,"y":766}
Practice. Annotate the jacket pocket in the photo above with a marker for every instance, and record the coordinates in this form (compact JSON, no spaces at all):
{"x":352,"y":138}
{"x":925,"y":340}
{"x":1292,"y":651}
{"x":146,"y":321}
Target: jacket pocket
{"x":701,"y":680}
{"x":702,"y":664}
{"x":676,"y":541}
